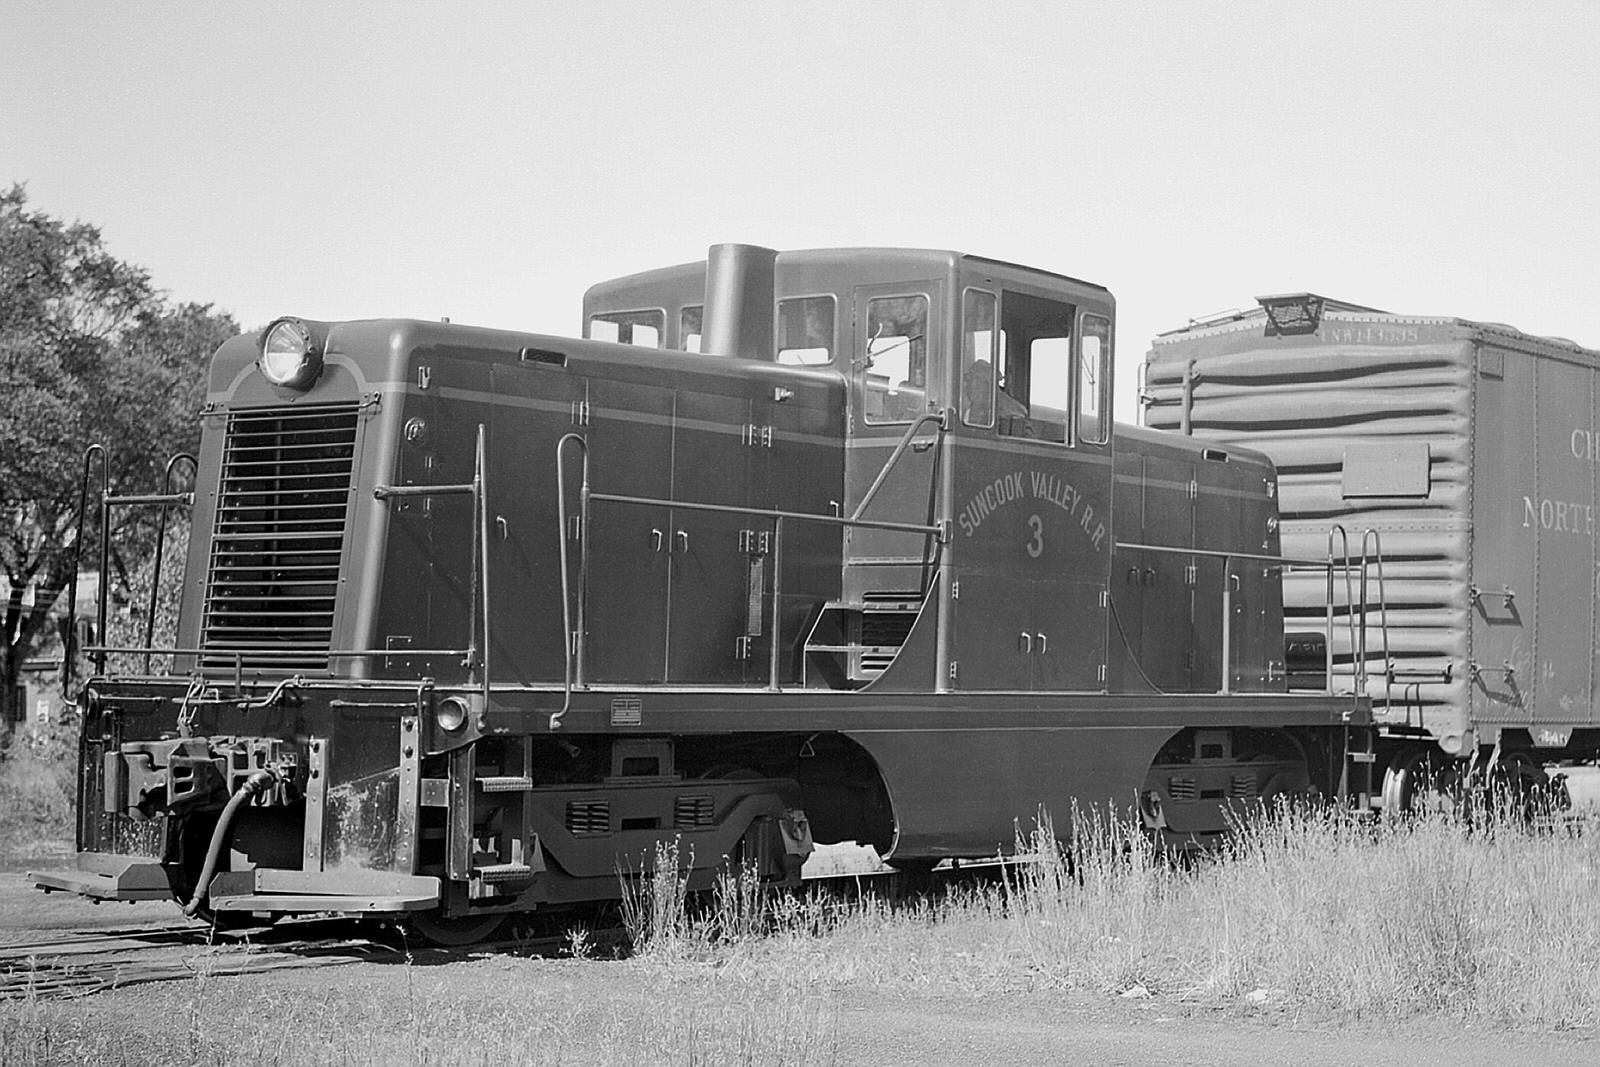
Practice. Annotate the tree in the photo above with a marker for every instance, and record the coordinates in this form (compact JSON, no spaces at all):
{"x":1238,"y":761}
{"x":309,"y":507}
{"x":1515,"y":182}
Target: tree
{"x":90,"y":352}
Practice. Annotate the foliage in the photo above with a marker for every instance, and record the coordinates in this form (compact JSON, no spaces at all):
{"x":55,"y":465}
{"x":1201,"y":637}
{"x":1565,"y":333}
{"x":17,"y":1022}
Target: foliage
{"x":90,"y":351}
{"x":38,"y":789}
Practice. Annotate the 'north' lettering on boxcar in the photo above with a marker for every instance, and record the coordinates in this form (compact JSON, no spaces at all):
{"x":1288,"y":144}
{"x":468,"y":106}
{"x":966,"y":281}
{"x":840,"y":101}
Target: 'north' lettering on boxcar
{"x":1558,"y":516}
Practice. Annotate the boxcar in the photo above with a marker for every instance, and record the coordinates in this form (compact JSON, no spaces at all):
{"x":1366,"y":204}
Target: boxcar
{"x":1470,"y":452}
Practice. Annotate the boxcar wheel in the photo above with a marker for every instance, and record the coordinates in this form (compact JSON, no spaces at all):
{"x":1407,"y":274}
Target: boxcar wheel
{"x":1418,"y":780}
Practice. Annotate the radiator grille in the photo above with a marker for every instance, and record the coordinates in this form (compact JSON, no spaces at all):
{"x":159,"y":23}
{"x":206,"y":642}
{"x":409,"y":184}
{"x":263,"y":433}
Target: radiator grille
{"x":281,"y":509}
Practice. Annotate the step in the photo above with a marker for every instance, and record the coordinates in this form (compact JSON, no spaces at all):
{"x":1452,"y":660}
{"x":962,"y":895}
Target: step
{"x":495,"y":873}
{"x":504,"y":784}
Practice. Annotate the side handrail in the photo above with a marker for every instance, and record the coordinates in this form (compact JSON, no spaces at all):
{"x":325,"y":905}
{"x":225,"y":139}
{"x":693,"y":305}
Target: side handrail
{"x":477,"y":651}
{"x":571,"y":639}
{"x":1375,"y":561}
{"x":70,"y":651}
{"x":942,"y":417}
{"x":166,"y":499}
{"x":100,"y":649}
{"x":1229,"y":579}
{"x":1358,"y":665}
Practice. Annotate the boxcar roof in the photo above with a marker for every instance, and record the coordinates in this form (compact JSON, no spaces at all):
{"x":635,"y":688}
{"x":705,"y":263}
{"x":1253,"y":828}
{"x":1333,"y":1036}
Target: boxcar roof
{"x":1240,"y":320}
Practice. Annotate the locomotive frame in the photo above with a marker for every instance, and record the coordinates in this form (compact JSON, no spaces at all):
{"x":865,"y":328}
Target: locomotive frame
{"x":473,"y":620}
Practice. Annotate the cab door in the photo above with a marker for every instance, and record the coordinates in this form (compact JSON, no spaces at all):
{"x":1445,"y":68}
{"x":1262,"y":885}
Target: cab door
{"x":1032,"y":519}
{"x":894,"y":382}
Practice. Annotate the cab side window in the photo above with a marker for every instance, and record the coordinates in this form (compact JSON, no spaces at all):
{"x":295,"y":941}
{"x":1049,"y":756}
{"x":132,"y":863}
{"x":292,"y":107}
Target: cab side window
{"x":979,"y":348}
{"x":896,"y":359}
{"x":689,"y":330}
{"x":805,"y":330}
{"x":1094,"y":379}
{"x":1036,"y":369}
{"x":642,"y":328}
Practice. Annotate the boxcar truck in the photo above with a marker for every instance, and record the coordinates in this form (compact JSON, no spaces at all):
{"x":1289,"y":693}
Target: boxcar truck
{"x":1468,"y":454}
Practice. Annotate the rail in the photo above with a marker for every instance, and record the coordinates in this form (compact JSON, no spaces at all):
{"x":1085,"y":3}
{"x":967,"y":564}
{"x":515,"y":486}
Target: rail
{"x":477,"y":650}
{"x":165,"y":498}
{"x":1370,"y":561}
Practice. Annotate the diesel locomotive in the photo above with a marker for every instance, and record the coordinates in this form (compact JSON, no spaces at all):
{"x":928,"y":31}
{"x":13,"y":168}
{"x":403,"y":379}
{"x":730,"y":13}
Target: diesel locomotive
{"x":788,"y":548}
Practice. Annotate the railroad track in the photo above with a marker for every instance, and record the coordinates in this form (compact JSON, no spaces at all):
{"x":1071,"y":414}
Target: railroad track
{"x":83,"y":963}
{"x":78,"y":964}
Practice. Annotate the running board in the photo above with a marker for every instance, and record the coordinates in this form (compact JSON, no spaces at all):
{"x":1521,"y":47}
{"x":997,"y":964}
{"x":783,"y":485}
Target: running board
{"x":104,"y":876}
{"x":323,"y":903}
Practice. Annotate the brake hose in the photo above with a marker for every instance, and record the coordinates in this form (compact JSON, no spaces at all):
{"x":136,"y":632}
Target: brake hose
{"x":256,"y":783}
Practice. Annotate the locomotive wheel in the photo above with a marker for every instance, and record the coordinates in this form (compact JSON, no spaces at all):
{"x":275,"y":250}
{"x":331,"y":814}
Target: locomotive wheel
{"x":457,"y":931}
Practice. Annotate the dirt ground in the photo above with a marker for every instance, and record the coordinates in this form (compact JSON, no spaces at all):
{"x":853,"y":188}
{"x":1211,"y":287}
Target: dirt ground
{"x":866,"y":1023}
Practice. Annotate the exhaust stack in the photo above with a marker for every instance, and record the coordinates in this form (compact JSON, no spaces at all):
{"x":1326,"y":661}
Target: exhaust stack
{"x":739,"y":293}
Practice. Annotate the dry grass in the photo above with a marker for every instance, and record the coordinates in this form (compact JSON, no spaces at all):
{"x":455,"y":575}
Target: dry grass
{"x":1308,"y":913}
{"x":38,"y":765}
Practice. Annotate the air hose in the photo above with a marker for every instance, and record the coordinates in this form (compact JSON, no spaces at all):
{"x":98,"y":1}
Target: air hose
{"x":256,"y":783}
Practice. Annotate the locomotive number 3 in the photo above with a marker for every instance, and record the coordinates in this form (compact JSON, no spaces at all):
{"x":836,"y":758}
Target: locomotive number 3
{"x":1036,"y":542}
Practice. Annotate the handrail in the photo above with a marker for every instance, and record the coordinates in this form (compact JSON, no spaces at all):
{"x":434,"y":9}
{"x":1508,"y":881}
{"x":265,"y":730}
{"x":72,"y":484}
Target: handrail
{"x":942,"y":417}
{"x":1327,"y":565}
{"x":1358,"y":665}
{"x":477,"y":651}
{"x":571,"y":639}
{"x":164,"y":498}
{"x":480,"y":503}
{"x":161,"y":540}
{"x":69,"y":652}
{"x":1376,"y":559}
{"x":1228,"y":581}
{"x":939,"y":531}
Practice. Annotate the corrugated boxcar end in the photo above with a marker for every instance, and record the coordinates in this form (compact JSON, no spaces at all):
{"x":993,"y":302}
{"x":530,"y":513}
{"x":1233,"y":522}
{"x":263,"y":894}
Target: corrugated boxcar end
{"x":1469,"y":448}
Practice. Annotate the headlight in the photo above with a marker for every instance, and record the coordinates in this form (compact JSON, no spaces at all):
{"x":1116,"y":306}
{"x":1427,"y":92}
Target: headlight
{"x":290,"y":355}
{"x":451,"y":713}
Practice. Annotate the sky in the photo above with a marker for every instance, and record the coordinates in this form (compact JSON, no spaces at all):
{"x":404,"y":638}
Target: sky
{"x":487,"y":162}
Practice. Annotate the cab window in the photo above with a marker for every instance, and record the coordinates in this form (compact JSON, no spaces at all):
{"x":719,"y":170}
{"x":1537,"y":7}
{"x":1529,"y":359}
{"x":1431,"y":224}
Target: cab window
{"x":1094,"y":379}
{"x":1034,"y":395}
{"x":642,"y":328}
{"x":689,"y":329}
{"x":896,"y":359}
{"x":805,"y":330}
{"x":979,"y":348}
